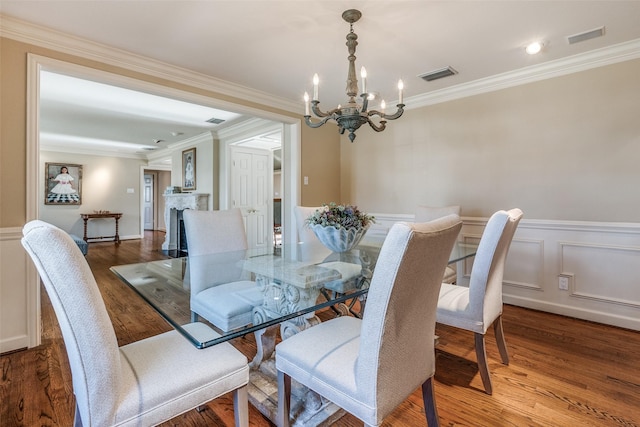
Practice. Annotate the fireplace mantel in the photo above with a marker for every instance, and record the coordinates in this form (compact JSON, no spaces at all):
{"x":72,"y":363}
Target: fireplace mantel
{"x":178,"y":202}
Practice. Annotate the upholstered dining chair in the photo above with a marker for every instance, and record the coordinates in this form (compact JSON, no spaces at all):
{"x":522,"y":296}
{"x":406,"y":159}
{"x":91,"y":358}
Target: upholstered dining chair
{"x":222,"y":293}
{"x":478,"y":306}
{"x":143,"y":383}
{"x":369,"y":366}
{"x":429,"y":213}
{"x":310,"y":248}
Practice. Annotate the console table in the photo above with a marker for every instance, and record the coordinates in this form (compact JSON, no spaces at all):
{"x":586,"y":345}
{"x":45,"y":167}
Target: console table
{"x":87,"y":217}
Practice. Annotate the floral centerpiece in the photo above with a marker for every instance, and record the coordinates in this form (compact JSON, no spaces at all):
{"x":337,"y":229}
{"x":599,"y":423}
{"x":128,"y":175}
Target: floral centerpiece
{"x":339,"y":227}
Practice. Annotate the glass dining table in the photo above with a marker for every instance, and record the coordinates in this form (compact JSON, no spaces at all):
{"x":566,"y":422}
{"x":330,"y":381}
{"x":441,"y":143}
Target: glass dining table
{"x":281,"y":285}
{"x":262,"y":291}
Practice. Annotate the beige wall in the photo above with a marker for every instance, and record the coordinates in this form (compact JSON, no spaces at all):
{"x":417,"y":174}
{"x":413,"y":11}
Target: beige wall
{"x":566,"y":148}
{"x":321,"y":164}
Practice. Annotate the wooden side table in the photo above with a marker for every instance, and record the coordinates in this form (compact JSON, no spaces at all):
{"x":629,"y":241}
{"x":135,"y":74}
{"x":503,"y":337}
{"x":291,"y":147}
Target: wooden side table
{"x":87,"y":217}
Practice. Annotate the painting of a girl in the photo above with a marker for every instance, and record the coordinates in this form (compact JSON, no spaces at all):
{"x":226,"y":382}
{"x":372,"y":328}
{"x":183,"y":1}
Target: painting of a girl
{"x":63,"y":184}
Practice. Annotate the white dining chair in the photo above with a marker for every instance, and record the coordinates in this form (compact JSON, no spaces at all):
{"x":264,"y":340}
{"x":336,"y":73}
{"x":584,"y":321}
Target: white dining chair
{"x":221,"y":291}
{"x":429,"y":213}
{"x":310,"y":248}
{"x":146,"y":382}
{"x":478,"y":306}
{"x":369,"y":366}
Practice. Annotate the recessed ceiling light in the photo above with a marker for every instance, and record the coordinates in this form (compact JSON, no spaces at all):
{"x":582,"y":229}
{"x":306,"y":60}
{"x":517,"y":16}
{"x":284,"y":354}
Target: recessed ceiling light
{"x":533,"y":48}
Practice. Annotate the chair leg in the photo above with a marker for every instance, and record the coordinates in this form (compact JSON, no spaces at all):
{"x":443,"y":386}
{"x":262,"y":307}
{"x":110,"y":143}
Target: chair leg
{"x":241,"y":407}
{"x":284,"y":399}
{"x":502,"y":344}
{"x":429,"y":399}
{"x":194,"y":317}
{"x":483,"y":366}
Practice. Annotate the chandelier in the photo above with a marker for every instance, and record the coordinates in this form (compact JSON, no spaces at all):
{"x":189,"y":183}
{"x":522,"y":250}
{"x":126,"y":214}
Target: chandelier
{"x":354,"y":114}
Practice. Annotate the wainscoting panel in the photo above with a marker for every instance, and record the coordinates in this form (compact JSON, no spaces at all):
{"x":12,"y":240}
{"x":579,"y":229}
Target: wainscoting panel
{"x":599,"y":259}
{"x":525,"y":264}
{"x":19,"y":294}
{"x":594,"y":267}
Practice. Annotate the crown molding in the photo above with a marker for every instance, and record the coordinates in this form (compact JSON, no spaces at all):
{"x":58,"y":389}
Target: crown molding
{"x":585,"y":61}
{"x":41,"y":36}
{"x":248,"y":128}
{"x":51,"y":39}
{"x":205,"y":137}
{"x":75,"y":149}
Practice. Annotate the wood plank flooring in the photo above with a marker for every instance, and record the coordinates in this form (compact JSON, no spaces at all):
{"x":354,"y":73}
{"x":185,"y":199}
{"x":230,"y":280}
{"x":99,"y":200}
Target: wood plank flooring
{"x":563,"y":371}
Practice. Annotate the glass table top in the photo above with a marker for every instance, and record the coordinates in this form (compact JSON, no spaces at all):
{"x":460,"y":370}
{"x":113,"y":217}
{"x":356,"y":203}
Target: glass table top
{"x":246,"y":291}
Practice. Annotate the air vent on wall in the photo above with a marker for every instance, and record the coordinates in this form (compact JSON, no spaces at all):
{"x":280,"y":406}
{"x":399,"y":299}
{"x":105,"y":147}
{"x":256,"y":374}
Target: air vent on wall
{"x":591,"y":34}
{"x":438,"y":74}
{"x":215,"y":121}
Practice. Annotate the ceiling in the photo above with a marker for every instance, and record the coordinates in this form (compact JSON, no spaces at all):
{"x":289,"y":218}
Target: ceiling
{"x":274,"y":47}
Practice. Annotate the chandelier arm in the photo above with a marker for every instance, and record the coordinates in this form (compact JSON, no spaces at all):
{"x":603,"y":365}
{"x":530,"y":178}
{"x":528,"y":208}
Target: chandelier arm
{"x":396,"y":115}
{"x":307,"y":120}
{"x":377,"y":128}
{"x":316,"y":110}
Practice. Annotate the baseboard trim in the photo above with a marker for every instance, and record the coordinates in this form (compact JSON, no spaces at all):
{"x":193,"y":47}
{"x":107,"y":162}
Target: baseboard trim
{"x":572,"y":311}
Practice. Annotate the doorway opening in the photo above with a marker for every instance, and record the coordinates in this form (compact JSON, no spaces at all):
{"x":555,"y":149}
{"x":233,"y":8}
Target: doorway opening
{"x":36,"y":64}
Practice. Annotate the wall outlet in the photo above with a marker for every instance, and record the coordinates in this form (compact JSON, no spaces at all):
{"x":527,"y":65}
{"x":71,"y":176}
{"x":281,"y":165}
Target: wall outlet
{"x":563,"y":282}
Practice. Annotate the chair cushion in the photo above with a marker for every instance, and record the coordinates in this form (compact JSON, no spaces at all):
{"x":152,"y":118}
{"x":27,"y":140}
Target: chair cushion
{"x":454,"y":309}
{"x":228,"y":306}
{"x":350,"y":273}
{"x":165,"y":373}
{"x":329,"y":365}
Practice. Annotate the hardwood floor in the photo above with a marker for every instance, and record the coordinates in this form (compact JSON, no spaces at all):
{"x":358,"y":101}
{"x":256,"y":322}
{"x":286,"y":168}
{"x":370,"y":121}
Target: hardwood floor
{"x":563,"y":371}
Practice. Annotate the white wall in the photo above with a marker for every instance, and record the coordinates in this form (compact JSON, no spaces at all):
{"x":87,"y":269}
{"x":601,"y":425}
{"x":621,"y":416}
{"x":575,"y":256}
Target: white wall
{"x":105,"y":182}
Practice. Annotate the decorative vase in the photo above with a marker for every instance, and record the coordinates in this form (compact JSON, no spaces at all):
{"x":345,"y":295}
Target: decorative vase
{"x":339,"y":239}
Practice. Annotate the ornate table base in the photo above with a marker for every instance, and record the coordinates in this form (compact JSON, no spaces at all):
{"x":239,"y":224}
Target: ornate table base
{"x":307,"y":407}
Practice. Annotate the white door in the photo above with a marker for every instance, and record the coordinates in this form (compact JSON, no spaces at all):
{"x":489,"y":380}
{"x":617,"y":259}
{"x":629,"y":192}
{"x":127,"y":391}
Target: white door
{"x":148,"y":212}
{"x":251,"y":182}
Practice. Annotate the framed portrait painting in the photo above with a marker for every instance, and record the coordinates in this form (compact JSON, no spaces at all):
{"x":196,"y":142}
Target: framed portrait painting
{"x":62,"y":184}
{"x":189,"y":169}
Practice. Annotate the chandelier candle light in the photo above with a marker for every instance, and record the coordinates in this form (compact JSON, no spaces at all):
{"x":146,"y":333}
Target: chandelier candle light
{"x":354,"y":114}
